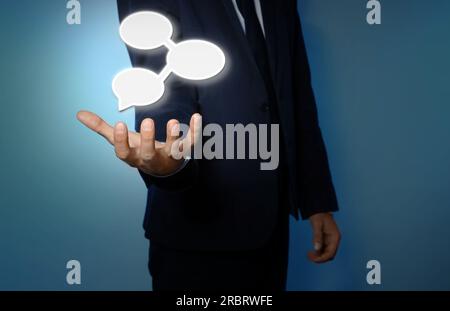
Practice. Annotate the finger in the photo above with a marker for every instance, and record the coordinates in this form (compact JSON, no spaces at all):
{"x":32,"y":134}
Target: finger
{"x":95,"y":123}
{"x":196,"y":128}
{"x":317,"y":236}
{"x":173,"y":140}
{"x":134,"y":139}
{"x":313,"y":256}
{"x":329,"y":252}
{"x":332,"y":244}
{"x":194,"y":134}
{"x":317,"y":241}
{"x":121,"y":144}
{"x":172,"y":132}
{"x":147,"y":139}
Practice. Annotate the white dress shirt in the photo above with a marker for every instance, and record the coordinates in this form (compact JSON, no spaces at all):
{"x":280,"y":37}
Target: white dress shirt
{"x":258,"y":13}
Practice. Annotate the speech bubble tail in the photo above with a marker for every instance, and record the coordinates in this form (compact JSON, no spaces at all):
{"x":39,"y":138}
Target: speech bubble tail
{"x":123,"y":106}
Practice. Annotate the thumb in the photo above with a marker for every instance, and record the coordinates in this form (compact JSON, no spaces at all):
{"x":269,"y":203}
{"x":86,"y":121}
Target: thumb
{"x":317,"y":237}
{"x":95,"y":123}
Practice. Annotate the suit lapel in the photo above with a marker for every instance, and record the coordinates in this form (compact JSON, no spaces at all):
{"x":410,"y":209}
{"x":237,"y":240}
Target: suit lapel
{"x":269,"y":12}
{"x":238,"y":31}
{"x":268,"y":8}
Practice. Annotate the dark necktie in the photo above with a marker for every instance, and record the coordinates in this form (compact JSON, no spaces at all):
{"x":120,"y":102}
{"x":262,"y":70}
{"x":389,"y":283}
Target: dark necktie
{"x":257,"y":43}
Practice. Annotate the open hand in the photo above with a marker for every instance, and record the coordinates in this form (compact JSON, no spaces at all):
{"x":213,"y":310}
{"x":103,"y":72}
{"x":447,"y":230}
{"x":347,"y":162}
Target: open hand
{"x":141,"y":150}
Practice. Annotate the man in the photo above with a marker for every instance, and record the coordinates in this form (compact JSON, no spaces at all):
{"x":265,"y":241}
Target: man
{"x":223,"y":224}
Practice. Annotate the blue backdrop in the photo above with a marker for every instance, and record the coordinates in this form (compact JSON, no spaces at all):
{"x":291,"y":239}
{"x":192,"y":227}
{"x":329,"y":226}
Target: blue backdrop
{"x":383,"y":97}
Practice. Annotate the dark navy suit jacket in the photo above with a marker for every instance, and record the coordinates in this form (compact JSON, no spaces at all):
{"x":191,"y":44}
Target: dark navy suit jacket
{"x":232,"y":204}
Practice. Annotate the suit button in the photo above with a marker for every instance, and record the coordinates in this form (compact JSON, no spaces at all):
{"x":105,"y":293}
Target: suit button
{"x":265,"y":108}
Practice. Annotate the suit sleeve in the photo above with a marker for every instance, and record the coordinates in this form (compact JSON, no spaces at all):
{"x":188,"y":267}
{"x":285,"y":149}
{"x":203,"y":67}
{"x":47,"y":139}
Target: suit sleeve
{"x":179,"y":101}
{"x":318,"y":193}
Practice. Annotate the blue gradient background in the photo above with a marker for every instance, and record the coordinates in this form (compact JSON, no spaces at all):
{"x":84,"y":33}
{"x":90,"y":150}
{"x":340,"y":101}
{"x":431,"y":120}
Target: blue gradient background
{"x":384,"y":102}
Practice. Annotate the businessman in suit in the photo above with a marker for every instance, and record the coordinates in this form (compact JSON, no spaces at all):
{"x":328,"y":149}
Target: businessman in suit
{"x":223,"y":224}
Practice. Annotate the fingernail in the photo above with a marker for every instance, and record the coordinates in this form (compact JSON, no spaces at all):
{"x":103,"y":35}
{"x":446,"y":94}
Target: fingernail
{"x":120,"y":127}
{"x":317,"y":246}
{"x":80,"y":116}
{"x":197,"y":117}
{"x":176,"y":130}
{"x":147,"y":125}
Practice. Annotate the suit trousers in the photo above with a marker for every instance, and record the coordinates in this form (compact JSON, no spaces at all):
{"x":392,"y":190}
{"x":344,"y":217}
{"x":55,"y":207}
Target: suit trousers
{"x":260,"y":269}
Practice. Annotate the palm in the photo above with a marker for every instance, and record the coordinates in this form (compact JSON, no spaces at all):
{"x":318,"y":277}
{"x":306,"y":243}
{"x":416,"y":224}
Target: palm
{"x":141,"y":150}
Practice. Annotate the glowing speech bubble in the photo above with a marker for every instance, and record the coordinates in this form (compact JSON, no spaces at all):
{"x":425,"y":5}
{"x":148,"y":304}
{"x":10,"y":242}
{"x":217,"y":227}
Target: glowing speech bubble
{"x":146,"y":30}
{"x":190,"y":59}
{"x":196,"y":59}
{"x":137,"y":87}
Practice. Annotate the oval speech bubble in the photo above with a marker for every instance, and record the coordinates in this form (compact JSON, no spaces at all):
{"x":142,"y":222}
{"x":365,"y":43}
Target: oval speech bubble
{"x":196,"y":59}
{"x":145,"y":30}
{"x":137,"y":87}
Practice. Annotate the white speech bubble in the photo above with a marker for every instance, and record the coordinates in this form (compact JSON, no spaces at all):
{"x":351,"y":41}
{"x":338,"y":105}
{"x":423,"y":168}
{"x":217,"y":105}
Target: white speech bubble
{"x":146,"y":30}
{"x":137,"y":87}
{"x":196,"y":59}
{"x":190,"y":59}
